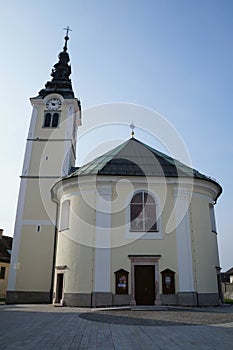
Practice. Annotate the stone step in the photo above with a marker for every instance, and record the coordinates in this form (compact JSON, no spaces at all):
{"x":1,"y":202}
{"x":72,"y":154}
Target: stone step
{"x":149,"y":308}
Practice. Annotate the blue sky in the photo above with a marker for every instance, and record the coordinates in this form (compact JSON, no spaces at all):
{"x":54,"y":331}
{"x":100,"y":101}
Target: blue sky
{"x":173,"y":56}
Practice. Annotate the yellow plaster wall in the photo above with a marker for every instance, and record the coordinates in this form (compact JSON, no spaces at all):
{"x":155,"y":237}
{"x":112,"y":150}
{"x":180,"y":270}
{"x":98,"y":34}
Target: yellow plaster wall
{"x":82,"y":230}
{"x":165,"y":247}
{"x":78,"y":275}
{"x":38,"y":204}
{"x":124,"y":246}
{"x":75,"y":245}
{"x":35,"y":259}
{"x":47,"y":158}
{"x":205,"y":250}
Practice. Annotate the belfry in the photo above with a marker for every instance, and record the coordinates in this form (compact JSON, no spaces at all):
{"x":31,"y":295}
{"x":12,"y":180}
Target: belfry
{"x":49,"y":155}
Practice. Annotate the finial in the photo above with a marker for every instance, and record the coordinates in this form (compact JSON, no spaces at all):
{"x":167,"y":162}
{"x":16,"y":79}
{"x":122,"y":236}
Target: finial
{"x":132,"y":127}
{"x":66,"y":37}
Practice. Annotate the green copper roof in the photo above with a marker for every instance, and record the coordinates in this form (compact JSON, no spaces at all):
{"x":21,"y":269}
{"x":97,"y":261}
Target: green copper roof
{"x":134,"y":158}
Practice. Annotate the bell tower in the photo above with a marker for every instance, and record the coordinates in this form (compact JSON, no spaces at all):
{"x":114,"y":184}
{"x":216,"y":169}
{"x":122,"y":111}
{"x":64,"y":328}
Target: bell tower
{"x":50,"y":154}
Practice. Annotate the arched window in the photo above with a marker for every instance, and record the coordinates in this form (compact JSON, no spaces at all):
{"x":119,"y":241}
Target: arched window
{"x":212,"y":218}
{"x":143,"y":213}
{"x":47,"y":120}
{"x":55,"y":120}
{"x":65,"y":215}
{"x":51,"y":120}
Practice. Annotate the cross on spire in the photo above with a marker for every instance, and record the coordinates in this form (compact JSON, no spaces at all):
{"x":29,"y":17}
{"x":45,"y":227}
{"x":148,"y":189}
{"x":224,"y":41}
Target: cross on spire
{"x":132,"y":127}
{"x":66,"y":37}
{"x":67,"y":30}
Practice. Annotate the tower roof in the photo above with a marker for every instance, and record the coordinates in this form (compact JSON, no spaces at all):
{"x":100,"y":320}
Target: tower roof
{"x":135,"y":158}
{"x":60,"y":83}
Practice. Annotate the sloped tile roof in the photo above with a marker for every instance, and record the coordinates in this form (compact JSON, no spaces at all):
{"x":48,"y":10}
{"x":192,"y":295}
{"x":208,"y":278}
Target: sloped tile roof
{"x":135,"y":158}
{"x":229,"y":272}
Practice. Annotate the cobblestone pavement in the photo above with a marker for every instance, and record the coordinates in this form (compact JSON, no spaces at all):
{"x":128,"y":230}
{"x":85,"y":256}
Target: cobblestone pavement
{"x":47,"y":327}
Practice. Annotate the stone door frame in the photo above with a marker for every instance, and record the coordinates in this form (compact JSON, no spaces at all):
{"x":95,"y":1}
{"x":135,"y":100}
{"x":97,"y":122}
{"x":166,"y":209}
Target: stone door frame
{"x":145,"y":260}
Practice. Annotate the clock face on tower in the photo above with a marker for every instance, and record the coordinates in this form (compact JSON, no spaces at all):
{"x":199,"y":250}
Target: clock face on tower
{"x":53,"y":104}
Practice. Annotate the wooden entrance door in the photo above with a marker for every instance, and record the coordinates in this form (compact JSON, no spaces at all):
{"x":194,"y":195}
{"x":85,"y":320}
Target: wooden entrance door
{"x":144,"y":284}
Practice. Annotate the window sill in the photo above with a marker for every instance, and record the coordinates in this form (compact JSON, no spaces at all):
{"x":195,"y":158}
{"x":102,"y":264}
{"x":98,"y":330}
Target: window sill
{"x":144,"y":232}
{"x":50,"y":127}
{"x":144,"y":235}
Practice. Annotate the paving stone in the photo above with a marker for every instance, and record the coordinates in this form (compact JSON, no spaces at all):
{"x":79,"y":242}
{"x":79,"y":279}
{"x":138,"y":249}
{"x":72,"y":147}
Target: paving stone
{"x":45,"y":327}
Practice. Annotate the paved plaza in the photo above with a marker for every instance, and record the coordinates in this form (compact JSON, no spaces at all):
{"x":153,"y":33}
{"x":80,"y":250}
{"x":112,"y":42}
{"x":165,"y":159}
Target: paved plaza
{"x":47,"y":327}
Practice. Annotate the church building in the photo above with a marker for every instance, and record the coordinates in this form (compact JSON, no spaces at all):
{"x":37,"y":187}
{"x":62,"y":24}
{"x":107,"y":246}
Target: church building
{"x":131,"y":227}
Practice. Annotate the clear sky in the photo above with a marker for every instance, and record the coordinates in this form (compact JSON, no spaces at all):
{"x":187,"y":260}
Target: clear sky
{"x":172,"y":56}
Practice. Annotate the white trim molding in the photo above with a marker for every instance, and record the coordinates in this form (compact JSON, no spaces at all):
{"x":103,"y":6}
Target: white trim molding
{"x":183,"y":240}
{"x":102,"y":263}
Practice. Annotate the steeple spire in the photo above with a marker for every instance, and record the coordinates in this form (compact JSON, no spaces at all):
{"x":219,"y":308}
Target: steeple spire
{"x":60,"y":74}
{"x":66,"y":37}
